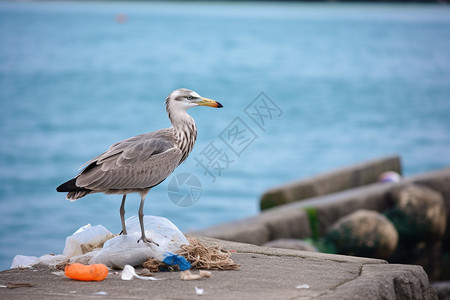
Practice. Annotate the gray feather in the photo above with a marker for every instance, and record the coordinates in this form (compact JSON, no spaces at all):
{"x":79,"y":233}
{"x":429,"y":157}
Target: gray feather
{"x":136,"y":163}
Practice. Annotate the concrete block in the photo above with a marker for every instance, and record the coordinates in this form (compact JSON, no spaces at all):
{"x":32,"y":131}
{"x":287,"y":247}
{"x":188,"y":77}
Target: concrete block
{"x":332,"y":207}
{"x":376,"y":282}
{"x":291,"y":221}
{"x":330,"y":182}
{"x":267,"y":226}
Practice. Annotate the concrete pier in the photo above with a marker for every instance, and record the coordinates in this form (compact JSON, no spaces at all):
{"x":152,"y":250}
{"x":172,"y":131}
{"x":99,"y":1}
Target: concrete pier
{"x":265,"y":273}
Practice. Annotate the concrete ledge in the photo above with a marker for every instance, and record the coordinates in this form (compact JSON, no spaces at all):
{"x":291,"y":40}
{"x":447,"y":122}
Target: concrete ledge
{"x":291,"y":221}
{"x":267,"y":226}
{"x":380,"y":282}
{"x":265,"y":273}
{"x":249,"y":248}
{"x":330,"y":182}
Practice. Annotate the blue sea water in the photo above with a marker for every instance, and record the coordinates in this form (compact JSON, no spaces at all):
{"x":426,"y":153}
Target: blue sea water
{"x":346,"y":82}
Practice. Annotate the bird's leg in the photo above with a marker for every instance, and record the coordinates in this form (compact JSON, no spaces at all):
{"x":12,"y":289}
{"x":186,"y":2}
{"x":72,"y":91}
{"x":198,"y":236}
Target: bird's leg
{"x":122,"y":214}
{"x":141,"y":222}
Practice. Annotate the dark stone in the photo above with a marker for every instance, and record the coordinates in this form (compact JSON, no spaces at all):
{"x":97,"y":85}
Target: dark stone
{"x":418,"y":213}
{"x":363,"y":233}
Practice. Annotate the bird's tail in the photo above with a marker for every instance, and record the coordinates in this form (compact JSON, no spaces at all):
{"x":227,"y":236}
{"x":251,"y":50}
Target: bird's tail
{"x":72,"y":196}
{"x":74,"y":192}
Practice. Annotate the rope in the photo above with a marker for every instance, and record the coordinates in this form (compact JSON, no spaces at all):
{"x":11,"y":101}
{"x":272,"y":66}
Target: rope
{"x":208,"y":258}
{"x":200,"y":257}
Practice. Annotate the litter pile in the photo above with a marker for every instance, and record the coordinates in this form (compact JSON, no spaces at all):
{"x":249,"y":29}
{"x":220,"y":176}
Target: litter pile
{"x":97,"y":245}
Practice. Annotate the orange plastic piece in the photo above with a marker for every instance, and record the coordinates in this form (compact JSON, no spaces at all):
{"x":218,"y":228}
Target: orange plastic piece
{"x":82,"y":272}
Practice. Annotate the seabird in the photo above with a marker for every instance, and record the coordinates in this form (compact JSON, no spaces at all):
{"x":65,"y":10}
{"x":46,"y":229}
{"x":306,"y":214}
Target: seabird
{"x":137,"y":164}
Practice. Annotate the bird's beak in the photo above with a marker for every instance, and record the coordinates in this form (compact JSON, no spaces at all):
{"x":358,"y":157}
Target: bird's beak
{"x":209,"y":102}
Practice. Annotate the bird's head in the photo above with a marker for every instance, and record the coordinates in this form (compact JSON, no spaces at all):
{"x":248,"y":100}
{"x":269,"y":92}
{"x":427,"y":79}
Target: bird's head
{"x":183,"y":99}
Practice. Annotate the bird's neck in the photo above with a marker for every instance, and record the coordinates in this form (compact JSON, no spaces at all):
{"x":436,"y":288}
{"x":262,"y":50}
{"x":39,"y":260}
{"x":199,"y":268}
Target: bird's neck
{"x":185,"y":132}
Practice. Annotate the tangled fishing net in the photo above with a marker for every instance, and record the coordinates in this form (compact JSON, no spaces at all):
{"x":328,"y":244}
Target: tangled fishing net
{"x":200,"y":257}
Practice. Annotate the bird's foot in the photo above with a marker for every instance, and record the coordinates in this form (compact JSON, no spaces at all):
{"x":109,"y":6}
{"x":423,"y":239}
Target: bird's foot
{"x":147,"y":241}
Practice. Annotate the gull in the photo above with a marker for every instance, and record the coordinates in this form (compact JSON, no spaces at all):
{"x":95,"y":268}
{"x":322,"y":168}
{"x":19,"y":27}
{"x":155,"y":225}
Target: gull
{"x":139,"y":163}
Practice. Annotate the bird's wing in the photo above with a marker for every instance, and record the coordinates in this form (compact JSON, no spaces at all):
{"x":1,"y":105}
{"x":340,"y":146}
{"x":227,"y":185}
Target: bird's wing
{"x":141,"y":145}
{"x":139,"y":162}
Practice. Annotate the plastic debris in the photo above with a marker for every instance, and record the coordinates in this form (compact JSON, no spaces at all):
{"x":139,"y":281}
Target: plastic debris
{"x":52,"y":261}
{"x":121,"y":251}
{"x":48,"y":260}
{"x":177,"y":260}
{"x":97,"y":272}
{"x":97,"y":245}
{"x":302,"y":286}
{"x":125,"y":250}
{"x":86,"y":239}
{"x":187,"y":275}
{"x":161,"y":231}
{"x":199,"y":291}
{"x":129,"y":273}
{"x":22,"y":261}
{"x":171,"y":262}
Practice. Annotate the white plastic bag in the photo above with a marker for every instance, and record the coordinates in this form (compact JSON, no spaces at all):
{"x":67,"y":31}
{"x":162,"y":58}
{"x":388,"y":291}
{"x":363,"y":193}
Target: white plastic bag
{"x":86,"y":239}
{"x":52,"y":261}
{"x":22,"y":261}
{"x":49,"y":260}
{"x":125,"y":250}
{"x":161,"y":231}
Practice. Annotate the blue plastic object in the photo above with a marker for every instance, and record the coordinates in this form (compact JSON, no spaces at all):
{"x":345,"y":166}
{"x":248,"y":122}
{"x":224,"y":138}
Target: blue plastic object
{"x":176,"y":260}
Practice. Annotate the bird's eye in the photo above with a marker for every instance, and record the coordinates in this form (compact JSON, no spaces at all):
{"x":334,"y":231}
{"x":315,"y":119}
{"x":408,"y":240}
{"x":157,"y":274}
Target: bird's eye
{"x":189,"y":97}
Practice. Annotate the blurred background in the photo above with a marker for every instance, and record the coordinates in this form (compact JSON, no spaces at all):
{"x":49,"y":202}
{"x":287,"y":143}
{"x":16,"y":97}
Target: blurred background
{"x":352,"y":81}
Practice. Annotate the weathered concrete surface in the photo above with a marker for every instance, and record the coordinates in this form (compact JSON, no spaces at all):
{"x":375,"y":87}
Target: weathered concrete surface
{"x":266,"y":273}
{"x":291,"y":221}
{"x":330,"y":182}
